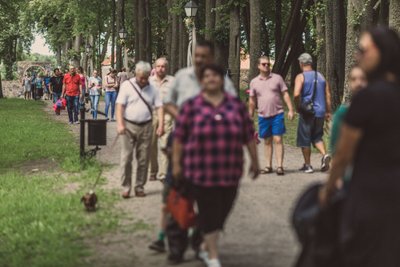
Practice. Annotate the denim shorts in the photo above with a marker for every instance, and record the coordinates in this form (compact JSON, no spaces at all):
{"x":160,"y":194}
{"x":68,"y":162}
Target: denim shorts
{"x":272,"y":126}
{"x":310,"y":131}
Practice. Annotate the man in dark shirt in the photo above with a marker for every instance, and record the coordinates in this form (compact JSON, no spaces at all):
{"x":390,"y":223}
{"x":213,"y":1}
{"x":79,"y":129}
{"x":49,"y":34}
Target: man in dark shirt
{"x":56,"y":84}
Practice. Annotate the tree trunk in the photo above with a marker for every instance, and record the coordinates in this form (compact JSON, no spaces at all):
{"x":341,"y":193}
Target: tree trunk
{"x":354,"y":29}
{"x":183,"y":45}
{"x":113,"y":34}
{"x":394,"y":14}
{"x":210,"y":19}
{"x":265,"y":44}
{"x":58,"y":55}
{"x":234,"y":45}
{"x":174,"y":64}
{"x":278,"y":26}
{"x":147,"y":24}
{"x":119,"y":25}
{"x":77,"y":48}
{"x":136,"y":14}
{"x":1,"y":88}
{"x":290,"y":32}
{"x":246,"y":20}
{"x":168,"y":37}
{"x":221,"y":46}
{"x":384,"y":12}
{"x":335,"y":31}
{"x":104,"y":49}
{"x":321,"y":40}
{"x":255,"y":36}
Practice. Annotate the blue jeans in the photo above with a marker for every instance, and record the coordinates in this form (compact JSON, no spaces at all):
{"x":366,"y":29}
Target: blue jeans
{"x":110,"y":98}
{"x":95,"y":103}
{"x":72,"y":107}
{"x":56,"y":96}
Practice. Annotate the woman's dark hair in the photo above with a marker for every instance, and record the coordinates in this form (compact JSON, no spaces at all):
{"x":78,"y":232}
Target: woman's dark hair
{"x":80,"y":69}
{"x":213,"y":67}
{"x":388,"y":42}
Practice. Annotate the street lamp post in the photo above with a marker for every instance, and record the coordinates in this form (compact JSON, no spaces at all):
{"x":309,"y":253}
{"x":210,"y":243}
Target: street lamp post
{"x":123,"y":35}
{"x":191,"y":10}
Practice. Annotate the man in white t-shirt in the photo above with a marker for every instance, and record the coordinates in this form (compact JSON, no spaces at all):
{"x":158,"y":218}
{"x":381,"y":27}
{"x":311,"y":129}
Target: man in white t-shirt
{"x":135,"y":103}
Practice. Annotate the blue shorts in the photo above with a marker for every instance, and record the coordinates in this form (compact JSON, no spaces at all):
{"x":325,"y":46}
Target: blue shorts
{"x":272,"y":126}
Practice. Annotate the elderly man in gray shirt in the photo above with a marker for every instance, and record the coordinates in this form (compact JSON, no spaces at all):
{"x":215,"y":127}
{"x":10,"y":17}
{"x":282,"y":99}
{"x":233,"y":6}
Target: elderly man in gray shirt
{"x":186,"y":83}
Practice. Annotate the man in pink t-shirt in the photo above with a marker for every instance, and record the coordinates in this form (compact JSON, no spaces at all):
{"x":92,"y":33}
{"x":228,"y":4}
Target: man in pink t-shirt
{"x":266,"y":93}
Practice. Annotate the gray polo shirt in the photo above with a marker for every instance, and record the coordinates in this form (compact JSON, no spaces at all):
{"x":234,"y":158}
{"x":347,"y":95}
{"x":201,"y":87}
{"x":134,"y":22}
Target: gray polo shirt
{"x":135,"y":109}
{"x":187,"y":86}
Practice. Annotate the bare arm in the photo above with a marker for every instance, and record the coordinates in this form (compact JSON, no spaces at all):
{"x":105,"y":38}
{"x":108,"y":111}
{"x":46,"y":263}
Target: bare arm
{"x":172,"y":110}
{"x":120,"y":119}
{"x":63,"y":90}
{"x":328,"y":101}
{"x":347,"y":145}
{"x":177,"y":151}
{"x":254,"y":164}
{"x":288,"y":101}
{"x":252,"y":106}
{"x":160,"y":113}
{"x":298,"y":86}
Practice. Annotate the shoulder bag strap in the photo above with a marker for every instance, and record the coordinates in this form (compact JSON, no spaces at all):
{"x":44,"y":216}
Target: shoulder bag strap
{"x":142,"y":98}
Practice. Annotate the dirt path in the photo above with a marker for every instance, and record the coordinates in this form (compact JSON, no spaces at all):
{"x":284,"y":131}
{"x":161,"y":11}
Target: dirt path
{"x":258,"y":232}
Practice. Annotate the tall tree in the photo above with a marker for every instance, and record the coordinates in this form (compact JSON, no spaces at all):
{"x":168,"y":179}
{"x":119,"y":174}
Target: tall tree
{"x":119,"y":26}
{"x":210,"y":19}
{"x":174,"y":54}
{"x":255,"y":36}
{"x":394,"y":14}
{"x":359,"y":17}
{"x":278,"y":26}
{"x":335,"y":33}
{"x":234,"y":45}
{"x":221,"y":33}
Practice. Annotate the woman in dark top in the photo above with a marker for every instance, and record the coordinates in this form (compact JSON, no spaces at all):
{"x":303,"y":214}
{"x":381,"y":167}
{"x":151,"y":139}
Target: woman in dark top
{"x":369,"y":140}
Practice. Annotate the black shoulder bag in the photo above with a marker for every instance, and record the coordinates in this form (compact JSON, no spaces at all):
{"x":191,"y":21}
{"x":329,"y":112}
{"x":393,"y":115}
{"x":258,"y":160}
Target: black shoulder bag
{"x":307,"y":108}
{"x":142,"y":98}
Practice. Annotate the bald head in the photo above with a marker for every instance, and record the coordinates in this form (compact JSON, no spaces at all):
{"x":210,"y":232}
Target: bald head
{"x":161,"y":67}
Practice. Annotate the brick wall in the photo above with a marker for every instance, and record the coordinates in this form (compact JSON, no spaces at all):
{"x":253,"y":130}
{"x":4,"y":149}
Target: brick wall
{"x":12,"y":89}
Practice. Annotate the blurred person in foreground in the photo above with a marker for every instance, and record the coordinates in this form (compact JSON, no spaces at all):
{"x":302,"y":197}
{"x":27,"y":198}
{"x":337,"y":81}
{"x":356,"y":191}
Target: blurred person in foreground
{"x":369,"y":140}
{"x":210,"y":133}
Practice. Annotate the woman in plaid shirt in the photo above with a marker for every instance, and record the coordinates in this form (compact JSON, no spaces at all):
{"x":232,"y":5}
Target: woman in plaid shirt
{"x":210,"y":133}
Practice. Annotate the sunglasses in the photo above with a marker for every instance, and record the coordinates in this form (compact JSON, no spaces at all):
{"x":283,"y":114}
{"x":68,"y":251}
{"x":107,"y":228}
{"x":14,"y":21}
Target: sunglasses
{"x":266,"y":64}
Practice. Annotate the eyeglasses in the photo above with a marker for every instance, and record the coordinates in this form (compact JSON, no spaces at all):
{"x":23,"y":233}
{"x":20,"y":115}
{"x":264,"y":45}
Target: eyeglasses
{"x":266,"y":64}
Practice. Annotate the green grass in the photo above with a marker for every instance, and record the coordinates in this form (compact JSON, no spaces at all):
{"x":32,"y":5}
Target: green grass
{"x":27,"y":133}
{"x":42,"y":224}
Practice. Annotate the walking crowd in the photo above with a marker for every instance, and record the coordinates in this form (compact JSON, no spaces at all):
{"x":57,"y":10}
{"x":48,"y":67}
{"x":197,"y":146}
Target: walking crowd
{"x":189,"y":131}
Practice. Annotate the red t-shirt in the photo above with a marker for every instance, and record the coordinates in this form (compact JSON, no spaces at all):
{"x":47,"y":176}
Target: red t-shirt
{"x":72,"y":84}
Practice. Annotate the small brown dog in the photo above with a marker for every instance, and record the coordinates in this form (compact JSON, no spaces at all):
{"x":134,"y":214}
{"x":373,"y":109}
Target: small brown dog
{"x":89,"y":200}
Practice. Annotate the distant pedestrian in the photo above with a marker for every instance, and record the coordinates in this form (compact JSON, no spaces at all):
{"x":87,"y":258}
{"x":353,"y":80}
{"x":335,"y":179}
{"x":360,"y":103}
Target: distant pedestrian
{"x":210,"y":133}
{"x":72,"y":91}
{"x":136,"y":101}
{"x":122,"y":76}
{"x":39,"y":86}
{"x":266,"y":93}
{"x":111,"y":85}
{"x":94,"y":92}
{"x":84,"y":79}
{"x":369,"y":140}
{"x":163,"y":83}
{"x":56,"y":84}
{"x":312,"y":90}
{"x":26,"y":84}
{"x":47,"y":78}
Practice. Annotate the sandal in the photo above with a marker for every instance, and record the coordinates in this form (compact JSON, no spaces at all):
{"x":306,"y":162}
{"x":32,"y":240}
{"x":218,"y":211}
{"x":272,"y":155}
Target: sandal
{"x":280,"y":171}
{"x":266,"y":170}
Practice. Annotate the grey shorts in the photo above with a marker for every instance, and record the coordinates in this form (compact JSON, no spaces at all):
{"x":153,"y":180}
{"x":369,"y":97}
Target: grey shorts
{"x":310,"y":131}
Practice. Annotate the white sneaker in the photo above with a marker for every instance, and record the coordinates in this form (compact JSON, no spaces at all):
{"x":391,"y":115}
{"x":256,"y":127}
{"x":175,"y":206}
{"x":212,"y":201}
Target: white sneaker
{"x":203,"y":256}
{"x":214,"y":263}
{"x":325,"y":163}
{"x":308,"y":169}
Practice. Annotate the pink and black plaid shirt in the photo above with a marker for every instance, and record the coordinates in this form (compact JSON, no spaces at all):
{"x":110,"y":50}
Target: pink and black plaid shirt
{"x":213,"y":139}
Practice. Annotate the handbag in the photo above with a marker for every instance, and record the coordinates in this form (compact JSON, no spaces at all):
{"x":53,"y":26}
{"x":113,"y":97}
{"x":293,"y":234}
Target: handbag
{"x":181,"y":209}
{"x":307,"y":108}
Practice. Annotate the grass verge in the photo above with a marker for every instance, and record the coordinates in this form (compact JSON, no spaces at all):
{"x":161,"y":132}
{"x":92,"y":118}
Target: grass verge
{"x":42,"y":222}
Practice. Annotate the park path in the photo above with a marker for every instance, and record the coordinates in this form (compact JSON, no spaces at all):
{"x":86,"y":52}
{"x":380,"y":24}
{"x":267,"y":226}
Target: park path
{"x":258,"y":232}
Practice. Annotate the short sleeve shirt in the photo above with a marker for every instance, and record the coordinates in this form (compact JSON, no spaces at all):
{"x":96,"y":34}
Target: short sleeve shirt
{"x":268,"y":91}
{"x":163,"y":86}
{"x":187,"y":86}
{"x":135,"y":109}
{"x":94,"y":85}
{"x":72,"y":84}
{"x":213,"y":139}
{"x":56,"y":83}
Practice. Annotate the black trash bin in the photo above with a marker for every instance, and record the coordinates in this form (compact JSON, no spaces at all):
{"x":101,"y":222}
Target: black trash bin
{"x":97,"y":132}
